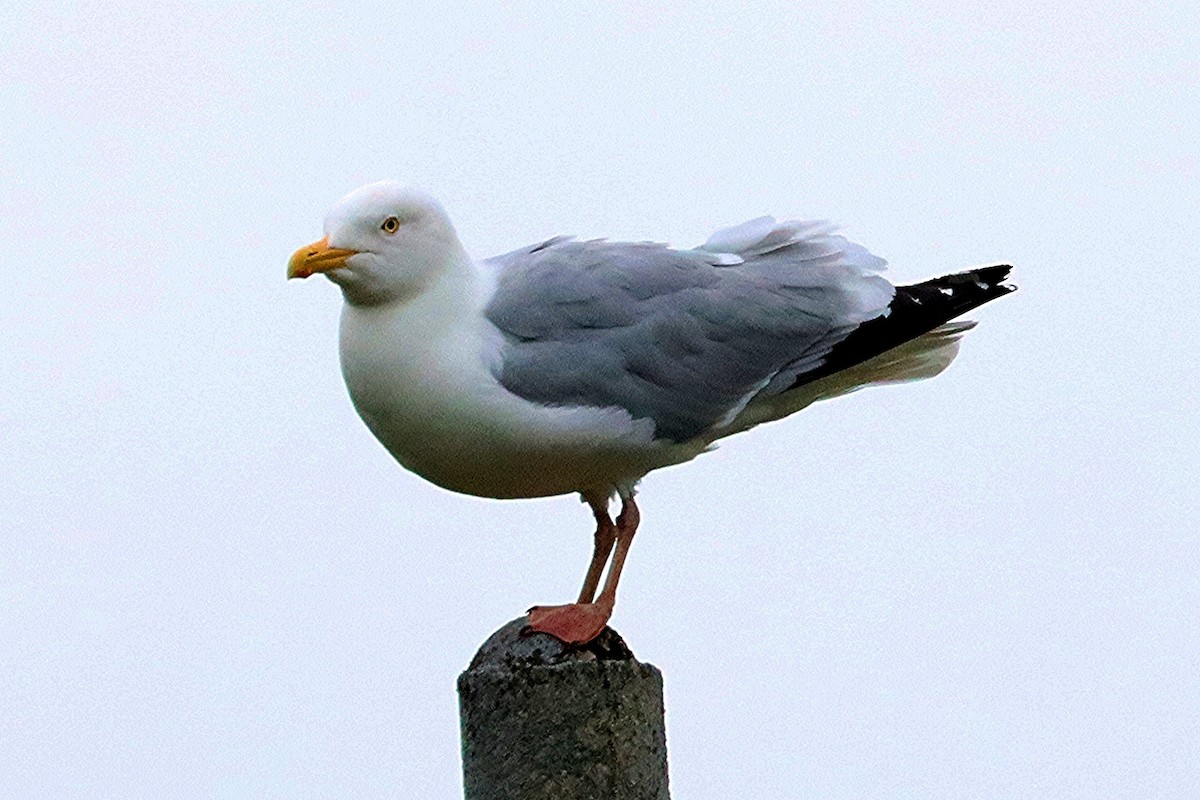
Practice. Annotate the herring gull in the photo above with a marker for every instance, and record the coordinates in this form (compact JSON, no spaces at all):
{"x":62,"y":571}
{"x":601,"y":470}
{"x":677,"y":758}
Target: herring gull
{"x":580,"y":366}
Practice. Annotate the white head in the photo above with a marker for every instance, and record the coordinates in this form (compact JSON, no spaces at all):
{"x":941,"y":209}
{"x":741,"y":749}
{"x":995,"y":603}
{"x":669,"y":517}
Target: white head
{"x":383,"y":242}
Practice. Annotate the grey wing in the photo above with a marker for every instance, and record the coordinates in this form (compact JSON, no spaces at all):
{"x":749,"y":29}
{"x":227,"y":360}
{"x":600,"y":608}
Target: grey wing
{"x":685,"y":338}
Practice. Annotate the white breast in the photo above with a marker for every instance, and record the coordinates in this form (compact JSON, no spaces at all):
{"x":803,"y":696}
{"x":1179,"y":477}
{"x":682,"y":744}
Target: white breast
{"x":419,"y":376}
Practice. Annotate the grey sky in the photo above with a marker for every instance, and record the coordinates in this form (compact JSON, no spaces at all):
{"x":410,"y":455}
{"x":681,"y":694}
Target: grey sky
{"x":214,"y":583}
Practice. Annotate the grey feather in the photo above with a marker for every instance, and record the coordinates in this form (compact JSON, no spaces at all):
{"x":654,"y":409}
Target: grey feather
{"x":685,"y":338}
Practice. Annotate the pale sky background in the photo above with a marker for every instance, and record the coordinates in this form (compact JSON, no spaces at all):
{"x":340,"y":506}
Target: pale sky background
{"x":215,"y":584}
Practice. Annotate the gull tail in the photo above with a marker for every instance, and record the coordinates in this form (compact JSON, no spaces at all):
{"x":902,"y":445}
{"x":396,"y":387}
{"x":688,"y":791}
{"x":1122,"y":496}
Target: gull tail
{"x":913,"y":341}
{"x":914,"y":311}
{"x":924,"y":357}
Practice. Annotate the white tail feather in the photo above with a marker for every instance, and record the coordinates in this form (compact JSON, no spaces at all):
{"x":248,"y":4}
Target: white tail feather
{"x":923,"y":357}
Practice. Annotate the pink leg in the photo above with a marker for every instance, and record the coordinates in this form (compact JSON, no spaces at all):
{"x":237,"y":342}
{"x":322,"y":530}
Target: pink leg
{"x":606,"y":535}
{"x":627,"y":525}
{"x":579,"y":623}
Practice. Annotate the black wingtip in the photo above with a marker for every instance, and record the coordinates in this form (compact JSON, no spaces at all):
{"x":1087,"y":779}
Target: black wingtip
{"x":945,"y":298}
{"x":984,"y":278}
{"x":917,"y":310}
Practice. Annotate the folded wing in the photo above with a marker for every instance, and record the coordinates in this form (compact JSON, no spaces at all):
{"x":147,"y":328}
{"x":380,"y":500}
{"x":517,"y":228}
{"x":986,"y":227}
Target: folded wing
{"x":686,"y":338}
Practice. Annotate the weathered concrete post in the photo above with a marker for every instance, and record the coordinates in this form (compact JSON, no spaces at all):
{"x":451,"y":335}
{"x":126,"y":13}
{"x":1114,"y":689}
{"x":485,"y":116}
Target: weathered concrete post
{"x":546,"y":721}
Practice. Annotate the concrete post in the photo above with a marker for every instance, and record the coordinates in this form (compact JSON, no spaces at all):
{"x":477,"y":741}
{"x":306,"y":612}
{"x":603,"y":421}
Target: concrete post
{"x":546,"y":721}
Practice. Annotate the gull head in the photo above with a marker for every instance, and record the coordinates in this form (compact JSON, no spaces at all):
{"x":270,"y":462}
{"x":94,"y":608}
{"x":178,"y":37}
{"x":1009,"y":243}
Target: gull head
{"x":383,"y":242}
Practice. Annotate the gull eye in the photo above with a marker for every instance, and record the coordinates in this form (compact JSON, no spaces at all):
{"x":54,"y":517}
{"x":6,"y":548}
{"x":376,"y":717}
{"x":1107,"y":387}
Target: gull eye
{"x":390,"y":225}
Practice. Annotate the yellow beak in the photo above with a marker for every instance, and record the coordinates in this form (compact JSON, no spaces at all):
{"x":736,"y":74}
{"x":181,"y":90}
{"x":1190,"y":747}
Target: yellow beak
{"x":316,"y":257}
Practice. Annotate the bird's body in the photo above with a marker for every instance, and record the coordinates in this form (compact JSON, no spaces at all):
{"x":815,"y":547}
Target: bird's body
{"x":581,"y":366}
{"x":421,"y":376}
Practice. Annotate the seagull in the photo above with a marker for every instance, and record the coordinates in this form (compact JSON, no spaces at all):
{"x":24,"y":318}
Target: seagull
{"x":580,"y":366}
